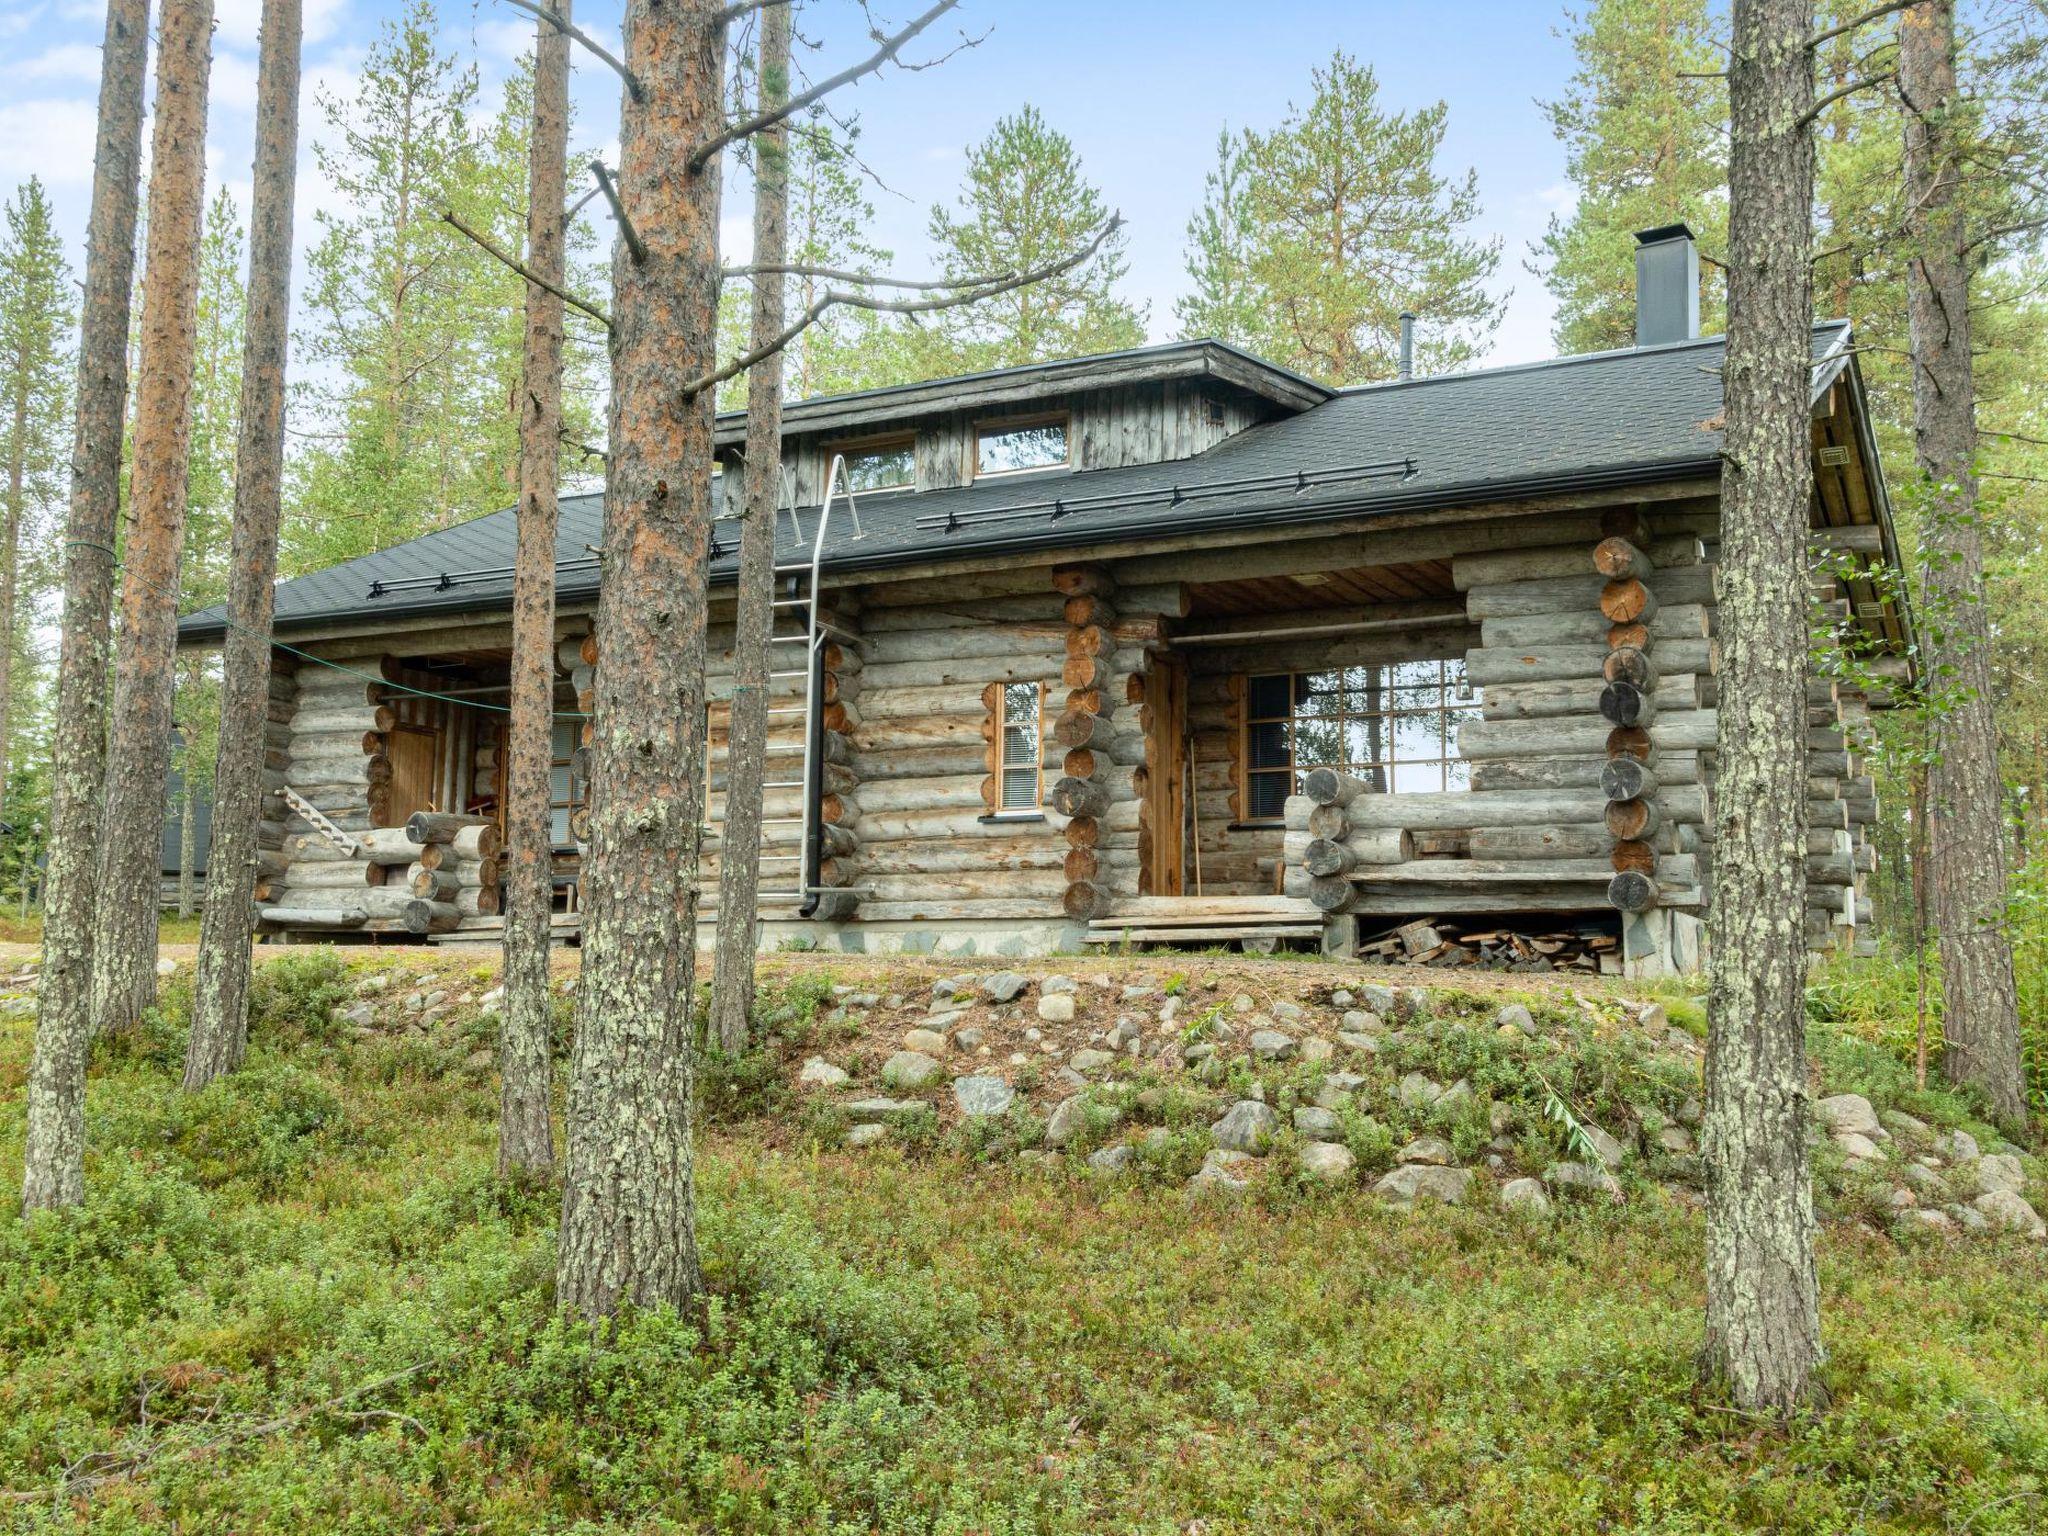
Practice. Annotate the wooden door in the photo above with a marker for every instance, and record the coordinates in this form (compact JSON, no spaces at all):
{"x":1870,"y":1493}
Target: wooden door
{"x":1166,"y":736}
{"x":415,"y":759}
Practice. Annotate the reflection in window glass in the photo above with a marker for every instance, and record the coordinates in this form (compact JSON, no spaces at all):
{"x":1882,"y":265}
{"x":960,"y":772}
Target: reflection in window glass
{"x":1396,"y":727}
{"x":1005,"y":450}
{"x":882,"y":466}
{"x":1021,"y":747}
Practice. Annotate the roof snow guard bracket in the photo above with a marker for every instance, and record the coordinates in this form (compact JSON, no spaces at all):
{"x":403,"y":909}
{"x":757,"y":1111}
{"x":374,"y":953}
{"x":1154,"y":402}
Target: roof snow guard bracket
{"x":1294,"y":482}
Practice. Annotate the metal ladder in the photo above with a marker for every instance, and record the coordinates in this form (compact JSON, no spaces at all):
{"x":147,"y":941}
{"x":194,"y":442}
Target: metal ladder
{"x":797,"y":597}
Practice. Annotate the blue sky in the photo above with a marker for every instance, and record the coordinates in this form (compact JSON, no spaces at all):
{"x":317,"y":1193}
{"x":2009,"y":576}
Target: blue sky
{"x":1142,"y":87}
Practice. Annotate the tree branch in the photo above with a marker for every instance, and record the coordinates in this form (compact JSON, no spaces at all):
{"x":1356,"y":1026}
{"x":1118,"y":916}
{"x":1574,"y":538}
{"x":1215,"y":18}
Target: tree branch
{"x":609,"y":188}
{"x":967,"y":291}
{"x":490,"y":248}
{"x":739,"y":8}
{"x":840,"y":275}
{"x":1875,"y":13}
{"x":891,"y":46}
{"x":1813,"y":113}
{"x":570,"y":30}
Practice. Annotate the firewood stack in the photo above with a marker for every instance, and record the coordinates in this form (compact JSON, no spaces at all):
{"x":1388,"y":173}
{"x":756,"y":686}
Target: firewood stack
{"x":1092,"y":780}
{"x":1483,"y":944}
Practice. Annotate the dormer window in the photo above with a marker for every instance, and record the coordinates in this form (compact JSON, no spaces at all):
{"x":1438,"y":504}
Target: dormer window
{"x":1016,"y":447}
{"x":878,"y":463}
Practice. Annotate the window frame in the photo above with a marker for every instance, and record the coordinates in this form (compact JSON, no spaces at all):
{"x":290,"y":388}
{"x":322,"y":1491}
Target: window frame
{"x":999,"y":714}
{"x":1442,"y":710}
{"x":985,"y":426}
{"x":852,"y":447}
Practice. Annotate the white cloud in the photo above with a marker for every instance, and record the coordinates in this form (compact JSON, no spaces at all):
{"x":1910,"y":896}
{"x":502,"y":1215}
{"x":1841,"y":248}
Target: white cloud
{"x":50,"y":139}
{"x":238,"y":21}
{"x":234,"y":82}
{"x":67,"y":61}
{"x":506,"y":39}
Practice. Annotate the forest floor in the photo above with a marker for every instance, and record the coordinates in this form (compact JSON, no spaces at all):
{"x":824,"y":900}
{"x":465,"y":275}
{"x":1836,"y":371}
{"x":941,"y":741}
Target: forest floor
{"x":300,"y":1301}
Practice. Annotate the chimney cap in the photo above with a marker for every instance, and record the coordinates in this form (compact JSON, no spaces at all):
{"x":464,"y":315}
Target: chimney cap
{"x":1679,"y":231}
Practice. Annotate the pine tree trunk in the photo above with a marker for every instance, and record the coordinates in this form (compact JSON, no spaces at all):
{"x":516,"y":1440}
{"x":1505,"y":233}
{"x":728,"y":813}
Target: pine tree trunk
{"x":526,"y":1045}
{"x":628,"y":1225}
{"x":10,"y":552}
{"x":1980,"y":1006}
{"x":732,"y":987}
{"x":139,"y":753}
{"x":220,"y":1004}
{"x":53,"y":1153}
{"x":1763,"y":1308}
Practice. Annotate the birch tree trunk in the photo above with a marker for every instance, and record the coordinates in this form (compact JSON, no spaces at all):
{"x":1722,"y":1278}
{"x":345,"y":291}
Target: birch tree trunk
{"x":53,"y":1153}
{"x":1763,"y":1307}
{"x":732,"y":987}
{"x":138,"y":755}
{"x":220,"y":1003}
{"x":1980,"y":1005}
{"x":628,"y":1227}
{"x":526,"y":1043}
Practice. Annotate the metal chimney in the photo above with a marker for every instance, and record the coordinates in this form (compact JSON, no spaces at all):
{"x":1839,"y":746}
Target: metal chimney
{"x":1407,"y":347}
{"x":1667,"y":286}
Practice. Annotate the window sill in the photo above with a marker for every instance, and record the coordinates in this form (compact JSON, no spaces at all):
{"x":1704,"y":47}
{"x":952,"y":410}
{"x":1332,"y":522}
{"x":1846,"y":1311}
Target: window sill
{"x":1012,"y":816}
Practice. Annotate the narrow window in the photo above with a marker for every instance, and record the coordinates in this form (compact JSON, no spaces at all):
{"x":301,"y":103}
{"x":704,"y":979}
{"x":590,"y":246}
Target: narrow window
{"x":880,"y":464}
{"x":1394,"y":726}
{"x":1020,"y":770}
{"x":1010,"y":448}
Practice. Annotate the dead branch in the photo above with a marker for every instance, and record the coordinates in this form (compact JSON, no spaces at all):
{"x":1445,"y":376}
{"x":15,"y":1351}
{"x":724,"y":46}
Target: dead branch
{"x":840,"y":275}
{"x":1875,"y":13}
{"x":115,"y":1468}
{"x":966,"y":291}
{"x":579,"y":205}
{"x":577,"y":34}
{"x":891,"y":46}
{"x":610,"y":189}
{"x":490,"y":248}
{"x":1813,"y":112}
{"x":739,"y":8}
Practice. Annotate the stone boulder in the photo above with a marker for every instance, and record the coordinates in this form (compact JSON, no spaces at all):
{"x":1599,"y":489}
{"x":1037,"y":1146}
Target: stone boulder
{"x":2000,"y":1171}
{"x":819,"y":1073}
{"x":1589,"y":1178}
{"x":1422,"y":1181}
{"x":1246,"y":1126}
{"x":1330,"y":1161}
{"x":1004,"y":986}
{"x":1433,"y":1150}
{"x":1849,"y":1114}
{"x":979,"y":1096}
{"x":1313,"y":1120}
{"x":1525,"y":1195}
{"x":910,"y":1069}
{"x":2006,"y":1210}
{"x":1271,"y":1045}
{"x":1223,"y":1172}
{"x":1056,"y":1007}
{"x":929,"y":1041}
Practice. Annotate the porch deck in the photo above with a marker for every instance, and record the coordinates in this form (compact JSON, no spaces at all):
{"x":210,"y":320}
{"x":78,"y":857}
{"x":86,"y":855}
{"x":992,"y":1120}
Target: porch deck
{"x":1258,"y":923}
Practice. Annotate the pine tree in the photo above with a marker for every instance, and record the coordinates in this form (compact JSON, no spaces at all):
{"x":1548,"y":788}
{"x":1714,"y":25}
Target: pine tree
{"x":220,"y":1019}
{"x":138,"y":753}
{"x":1644,"y":146}
{"x":1023,"y":203}
{"x":1314,"y":238}
{"x":35,"y":366}
{"x":53,"y":1146}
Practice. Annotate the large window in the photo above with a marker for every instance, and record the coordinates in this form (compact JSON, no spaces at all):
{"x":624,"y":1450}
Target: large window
{"x":1021,"y":747}
{"x":1395,"y":727}
{"x":1009,"y":448}
{"x":880,"y":464}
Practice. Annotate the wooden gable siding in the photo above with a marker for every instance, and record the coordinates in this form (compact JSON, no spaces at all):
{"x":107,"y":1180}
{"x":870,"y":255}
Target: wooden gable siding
{"x":1108,"y":429}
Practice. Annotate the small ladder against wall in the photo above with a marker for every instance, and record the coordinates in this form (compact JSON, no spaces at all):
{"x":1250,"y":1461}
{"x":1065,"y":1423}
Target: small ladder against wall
{"x":323,"y":829}
{"x":799,"y":653}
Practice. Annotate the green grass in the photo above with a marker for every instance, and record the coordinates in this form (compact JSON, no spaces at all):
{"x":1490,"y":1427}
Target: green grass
{"x":930,"y":1343}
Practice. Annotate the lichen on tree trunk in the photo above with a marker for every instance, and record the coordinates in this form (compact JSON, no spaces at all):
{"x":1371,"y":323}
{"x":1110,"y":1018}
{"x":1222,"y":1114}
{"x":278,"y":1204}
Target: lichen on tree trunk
{"x":739,"y":888}
{"x":628,"y":1228}
{"x":53,"y":1152}
{"x":526,"y":1145}
{"x":138,"y":754}
{"x":1966,"y":795}
{"x":220,"y":1002}
{"x":1763,"y":1307}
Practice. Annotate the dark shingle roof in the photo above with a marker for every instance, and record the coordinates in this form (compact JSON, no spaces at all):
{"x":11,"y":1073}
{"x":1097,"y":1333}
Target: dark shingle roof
{"x":1602,"y":419}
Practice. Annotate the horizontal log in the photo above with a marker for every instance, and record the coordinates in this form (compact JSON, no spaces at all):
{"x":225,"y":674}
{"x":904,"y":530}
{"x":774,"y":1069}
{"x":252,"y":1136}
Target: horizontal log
{"x":1630,"y":664}
{"x":1332,"y":786}
{"x":482,"y":841}
{"x":386,"y":901}
{"x":1327,"y":856}
{"x":318,"y":918}
{"x":323,"y":875}
{"x":430,"y":916}
{"x":1619,"y":560}
{"x":971,"y":639}
{"x":1503,"y":844}
{"x":1579,"y":594}
{"x":1628,"y":600}
{"x":1632,"y":820}
{"x":1487,"y":668}
{"x":1578,"y":696}
{"x":1624,"y":778}
{"x":1079,"y":797}
{"x":1589,"y":626}
{"x":440,"y":826}
{"x":1626,"y":704}
{"x":1632,"y":891}
{"x":1574,"y":772}
{"x":1076,"y":729}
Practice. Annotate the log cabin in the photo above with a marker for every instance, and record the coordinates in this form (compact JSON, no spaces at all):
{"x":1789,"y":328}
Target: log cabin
{"x":1167,"y":645}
